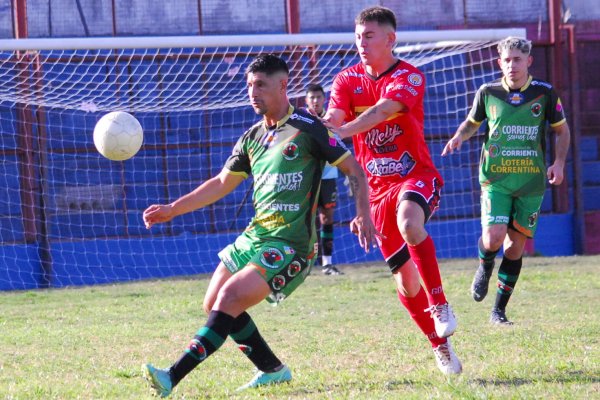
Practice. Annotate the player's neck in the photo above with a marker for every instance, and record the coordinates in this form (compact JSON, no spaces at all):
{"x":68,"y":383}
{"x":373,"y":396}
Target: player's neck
{"x":381,"y":67}
{"x":516,"y":84}
{"x":272,"y":118}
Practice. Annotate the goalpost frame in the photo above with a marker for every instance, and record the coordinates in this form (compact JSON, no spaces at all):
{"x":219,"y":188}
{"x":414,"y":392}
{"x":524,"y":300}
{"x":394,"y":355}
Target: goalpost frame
{"x":159,"y":42}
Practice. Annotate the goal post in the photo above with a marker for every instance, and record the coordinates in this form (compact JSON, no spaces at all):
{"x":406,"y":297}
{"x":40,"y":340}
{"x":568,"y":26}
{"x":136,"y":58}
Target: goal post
{"x":70,"y":217}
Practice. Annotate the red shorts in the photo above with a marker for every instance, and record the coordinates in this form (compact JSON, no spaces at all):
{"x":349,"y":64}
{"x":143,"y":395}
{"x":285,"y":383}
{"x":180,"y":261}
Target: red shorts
{"x":424,"y":190}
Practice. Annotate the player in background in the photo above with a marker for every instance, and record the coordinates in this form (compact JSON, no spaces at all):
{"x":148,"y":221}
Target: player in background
{"x":285,"y":152}
{"x":381,"y":101}
{"x":315,"y":102}
{"x":512,"y":170}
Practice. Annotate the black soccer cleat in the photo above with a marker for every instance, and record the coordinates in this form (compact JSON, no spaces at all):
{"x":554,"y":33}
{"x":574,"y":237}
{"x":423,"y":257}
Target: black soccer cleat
{"x":331,"y":269}
{"x":498,"y":317}
{"x":481,"y":281}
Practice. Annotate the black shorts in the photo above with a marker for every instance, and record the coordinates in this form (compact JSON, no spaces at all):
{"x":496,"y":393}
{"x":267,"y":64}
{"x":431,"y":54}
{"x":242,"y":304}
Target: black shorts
{"x":328,"y":195}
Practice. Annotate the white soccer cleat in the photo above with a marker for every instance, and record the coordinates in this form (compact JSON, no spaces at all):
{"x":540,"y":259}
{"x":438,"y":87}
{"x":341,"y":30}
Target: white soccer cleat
{"x":443,"y":318}
{"x":446,"y":359}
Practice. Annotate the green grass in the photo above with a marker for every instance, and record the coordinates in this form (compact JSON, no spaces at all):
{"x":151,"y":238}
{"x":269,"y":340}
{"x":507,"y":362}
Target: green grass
{"x":343,"y":337}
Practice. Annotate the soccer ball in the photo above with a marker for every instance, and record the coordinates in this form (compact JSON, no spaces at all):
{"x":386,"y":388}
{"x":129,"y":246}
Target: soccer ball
{"x":118,"y":136}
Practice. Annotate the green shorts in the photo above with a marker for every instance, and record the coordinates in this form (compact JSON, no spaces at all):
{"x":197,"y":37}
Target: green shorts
{"x":277,"y":262}
{"x":519,"y":213}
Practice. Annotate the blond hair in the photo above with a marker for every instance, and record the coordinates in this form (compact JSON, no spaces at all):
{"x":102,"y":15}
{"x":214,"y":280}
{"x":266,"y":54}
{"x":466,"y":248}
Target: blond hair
{"x":513,"y":42}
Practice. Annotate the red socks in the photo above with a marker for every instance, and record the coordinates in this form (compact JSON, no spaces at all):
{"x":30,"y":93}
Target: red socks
{"x":424,"y":257}
{"x":416,"y":309}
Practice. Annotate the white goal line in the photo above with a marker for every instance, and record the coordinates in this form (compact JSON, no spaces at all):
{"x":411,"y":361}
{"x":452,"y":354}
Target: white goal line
{"x":159,"y":42}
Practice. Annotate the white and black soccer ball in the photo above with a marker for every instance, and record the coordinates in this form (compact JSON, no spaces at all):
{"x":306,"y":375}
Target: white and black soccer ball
{"x":118,"y":136}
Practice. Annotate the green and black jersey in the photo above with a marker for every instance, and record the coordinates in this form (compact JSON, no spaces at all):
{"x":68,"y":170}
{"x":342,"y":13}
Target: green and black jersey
{"x":286,"y":162}
{"x":513,"y":155}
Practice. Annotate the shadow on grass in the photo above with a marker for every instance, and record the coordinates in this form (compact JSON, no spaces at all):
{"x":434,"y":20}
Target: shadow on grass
{"x":566,"y":377}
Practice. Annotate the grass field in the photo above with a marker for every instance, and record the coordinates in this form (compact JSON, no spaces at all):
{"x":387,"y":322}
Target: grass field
{"x":344,"y":337}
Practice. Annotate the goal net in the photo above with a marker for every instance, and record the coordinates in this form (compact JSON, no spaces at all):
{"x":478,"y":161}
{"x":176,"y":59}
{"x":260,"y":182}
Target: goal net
{"x":68,"y":216}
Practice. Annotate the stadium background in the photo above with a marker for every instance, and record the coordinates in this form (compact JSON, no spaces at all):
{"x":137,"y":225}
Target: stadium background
{"x":561,"y":31}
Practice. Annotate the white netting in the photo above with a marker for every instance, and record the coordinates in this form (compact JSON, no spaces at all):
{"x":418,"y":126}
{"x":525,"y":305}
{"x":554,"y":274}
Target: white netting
{"x":69,"y":216}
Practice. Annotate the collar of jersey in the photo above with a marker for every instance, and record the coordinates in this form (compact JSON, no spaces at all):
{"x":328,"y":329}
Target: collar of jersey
{"x":523,"y":88}
{"x":282,"y":120}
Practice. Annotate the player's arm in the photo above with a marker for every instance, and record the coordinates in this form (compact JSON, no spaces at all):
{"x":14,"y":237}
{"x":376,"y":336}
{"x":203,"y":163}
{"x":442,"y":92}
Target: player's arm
{"x":464,"y":132}
{"x":361,"y":225}
{"x":334,"y":118}
{"x":373,"y":116}
{"x":555,"y":172}
{"x":205,"y":194}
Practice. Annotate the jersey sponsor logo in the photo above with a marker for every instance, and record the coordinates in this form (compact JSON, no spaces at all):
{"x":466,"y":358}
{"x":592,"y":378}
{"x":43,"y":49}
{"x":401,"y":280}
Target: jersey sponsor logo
{"x":291,"y":151}
{"x":279,"y":182}
{"x":518,"y":153}
{"x":294,"y":268}
{"x":358,"y":90}
{"x":520,"y":132}
{"x":271,"y":258}
{"x":499,"y":219}
{"x":401,"y":86}
{"x":536,"y":109}
{"x":515,"y":98}
{"x":516,"y":166}
{"x":270,"y":221}
{"x":399,"y":72}
{"x":539,"y":83}
{"x":354,"y":74}
{"x":299,"y":117}
{"x":289,"y":250}
{"x":391,"y":166}
{"x":532,"y":219}
{"x":376,"y":138}
{"x":278,"y":206}
{"x":269,"y":139}
{"x":415,"y":79}
{"x":494,"y":150}
{"x":278,"y":282}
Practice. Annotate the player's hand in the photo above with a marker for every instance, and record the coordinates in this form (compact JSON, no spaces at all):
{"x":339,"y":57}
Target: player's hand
{"x":555,"y":174}
{"x":156,"y":214}
{"x":452,"y":145}
{"x":366,"y":232}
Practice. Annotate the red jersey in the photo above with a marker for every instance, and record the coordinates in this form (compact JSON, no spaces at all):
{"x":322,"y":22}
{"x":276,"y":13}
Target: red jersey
{"x":395,"y":149}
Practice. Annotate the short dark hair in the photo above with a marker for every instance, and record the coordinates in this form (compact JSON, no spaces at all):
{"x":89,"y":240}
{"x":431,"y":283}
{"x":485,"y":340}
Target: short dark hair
{"x":314,"y":87}
{"x":268,"y":64}
{"x":381,"y":15}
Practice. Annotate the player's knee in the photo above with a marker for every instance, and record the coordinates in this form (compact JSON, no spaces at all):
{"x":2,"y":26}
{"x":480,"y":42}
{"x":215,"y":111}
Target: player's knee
{"x":411,"y":232}
{"x":493,"y":240}
{"x":228,"y":297}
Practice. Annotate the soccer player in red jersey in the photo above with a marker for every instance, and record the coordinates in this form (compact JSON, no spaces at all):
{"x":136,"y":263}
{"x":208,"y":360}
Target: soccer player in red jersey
{"x":380,"y":99}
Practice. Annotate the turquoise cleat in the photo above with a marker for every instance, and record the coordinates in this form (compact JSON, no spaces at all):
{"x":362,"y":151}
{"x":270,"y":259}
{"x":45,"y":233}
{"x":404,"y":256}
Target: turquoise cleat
{"x":263,"y":378}
{"x":159,"y":379}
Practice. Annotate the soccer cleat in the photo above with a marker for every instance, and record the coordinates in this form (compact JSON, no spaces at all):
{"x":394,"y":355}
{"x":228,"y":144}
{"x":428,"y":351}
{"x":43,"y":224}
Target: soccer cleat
{"x":498,"y":317}
{"x":330,"y":269}
{"x":446,"y":359}
{"x":272,"y":378}
{"x":159,"y":379}
{"x":481,"y":281}
{"x":443,"y":318}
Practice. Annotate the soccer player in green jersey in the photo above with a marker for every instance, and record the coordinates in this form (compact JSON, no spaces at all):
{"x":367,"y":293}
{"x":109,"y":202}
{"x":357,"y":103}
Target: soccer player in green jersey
{"x":285,"y":152}
{"x":512,"y":170}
